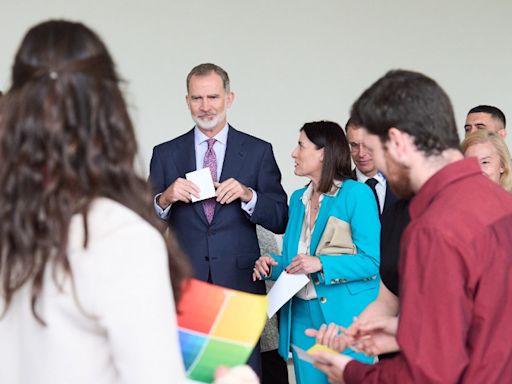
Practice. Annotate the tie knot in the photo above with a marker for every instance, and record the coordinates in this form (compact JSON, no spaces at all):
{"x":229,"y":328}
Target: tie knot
{"x":211,"y":142}
{"x":371,"y":182}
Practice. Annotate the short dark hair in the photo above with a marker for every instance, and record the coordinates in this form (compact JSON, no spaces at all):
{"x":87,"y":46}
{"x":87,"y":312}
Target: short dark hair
{"x":351,"y":124}
{"x":412,"y":103}
{"x":491,"y":110}
{"x":336,"y":165}
{"x":207,"y":68}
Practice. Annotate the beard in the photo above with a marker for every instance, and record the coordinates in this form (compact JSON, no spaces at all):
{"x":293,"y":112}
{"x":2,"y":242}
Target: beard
{"x":399,"y":178}
{"x":209,"y":124}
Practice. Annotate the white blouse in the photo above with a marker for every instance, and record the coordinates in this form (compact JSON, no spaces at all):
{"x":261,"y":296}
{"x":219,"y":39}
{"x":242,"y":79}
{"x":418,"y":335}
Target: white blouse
{"x":308,"y":292}
{"x":114,"y":323}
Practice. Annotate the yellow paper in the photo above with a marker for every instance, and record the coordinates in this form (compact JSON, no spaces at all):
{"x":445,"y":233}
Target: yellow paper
{"x":321,"y":347}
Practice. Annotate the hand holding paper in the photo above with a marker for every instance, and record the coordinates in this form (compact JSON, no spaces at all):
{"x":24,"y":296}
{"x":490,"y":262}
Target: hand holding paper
{"x":310,"y":356}
{"x":285,"y":287}
{"x":327,"y":360}
{"x":203,"y":179}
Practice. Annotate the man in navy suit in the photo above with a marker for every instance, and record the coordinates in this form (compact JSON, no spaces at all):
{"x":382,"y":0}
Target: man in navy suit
{"x":366,"y":171}
{"x":219,"y":235}
{"x":248,"y":191}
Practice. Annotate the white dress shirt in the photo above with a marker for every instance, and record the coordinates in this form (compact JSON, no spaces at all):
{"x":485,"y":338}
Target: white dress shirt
{"x":308,"y":292}
{"x":380,"y":187}
{"x":201,"y":146}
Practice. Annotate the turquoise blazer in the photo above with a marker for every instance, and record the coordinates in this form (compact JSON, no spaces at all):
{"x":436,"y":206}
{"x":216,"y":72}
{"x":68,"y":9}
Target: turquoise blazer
{"x":348,"y":283}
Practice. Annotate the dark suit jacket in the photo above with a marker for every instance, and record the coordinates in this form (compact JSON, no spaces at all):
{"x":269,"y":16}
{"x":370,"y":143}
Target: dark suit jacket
{"x":389,"y":197}
{"x":228,"y":247}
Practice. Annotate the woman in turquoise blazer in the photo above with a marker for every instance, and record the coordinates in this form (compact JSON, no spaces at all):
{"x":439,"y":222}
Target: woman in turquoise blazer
{"x":341,"y":285}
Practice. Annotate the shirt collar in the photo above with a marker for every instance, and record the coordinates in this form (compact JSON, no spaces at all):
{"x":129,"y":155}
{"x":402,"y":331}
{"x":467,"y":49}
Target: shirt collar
{"x":449,"y":174}
{"x":221,"y":137}
{"x":378,"y":176}
{"x":309,"y":190}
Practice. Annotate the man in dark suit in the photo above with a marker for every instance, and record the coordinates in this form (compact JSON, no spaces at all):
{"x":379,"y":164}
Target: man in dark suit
{"x":219,"y":234}
{"x":366,"y":171}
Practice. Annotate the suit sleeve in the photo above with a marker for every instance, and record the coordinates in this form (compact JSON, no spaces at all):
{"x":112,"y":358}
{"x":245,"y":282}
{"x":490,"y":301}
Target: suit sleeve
{"x":365,"y":225}
{"x":156,"y":173}
{"x":271,"y":211}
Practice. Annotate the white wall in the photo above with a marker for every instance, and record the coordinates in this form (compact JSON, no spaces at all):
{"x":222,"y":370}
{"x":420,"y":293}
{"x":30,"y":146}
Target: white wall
{"x":290,"y":61}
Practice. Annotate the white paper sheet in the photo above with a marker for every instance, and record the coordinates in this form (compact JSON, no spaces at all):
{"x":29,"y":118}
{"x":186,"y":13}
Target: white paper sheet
{"x":285,"y":287}
{"x":203,"y":179}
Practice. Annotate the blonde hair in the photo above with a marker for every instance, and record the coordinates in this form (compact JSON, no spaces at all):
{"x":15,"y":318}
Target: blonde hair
{"x":483,"y":136}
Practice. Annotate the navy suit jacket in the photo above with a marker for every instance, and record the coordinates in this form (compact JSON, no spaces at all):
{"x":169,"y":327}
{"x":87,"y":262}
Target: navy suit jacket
{"x":228,"y":247}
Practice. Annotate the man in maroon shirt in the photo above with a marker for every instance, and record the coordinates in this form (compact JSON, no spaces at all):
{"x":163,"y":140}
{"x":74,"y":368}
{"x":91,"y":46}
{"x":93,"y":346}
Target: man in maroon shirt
{"x":456,"y":254}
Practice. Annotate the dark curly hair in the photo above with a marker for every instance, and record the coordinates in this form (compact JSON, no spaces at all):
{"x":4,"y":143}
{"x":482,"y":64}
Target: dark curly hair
{"x":413,"y":103}
{"x":65,"y":139}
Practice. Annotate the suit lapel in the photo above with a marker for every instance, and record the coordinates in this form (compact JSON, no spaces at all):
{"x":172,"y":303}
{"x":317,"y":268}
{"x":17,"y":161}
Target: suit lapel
{"x":294,"y":229}
{"x":321,"y":220}
{"x":233,"y":159}
{"x":390,"y":197}
{"x":185,"y":157}
{"x":186,"y":162}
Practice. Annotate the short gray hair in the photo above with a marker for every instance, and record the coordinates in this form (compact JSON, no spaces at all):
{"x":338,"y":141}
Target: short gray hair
{"x":207,"y":68}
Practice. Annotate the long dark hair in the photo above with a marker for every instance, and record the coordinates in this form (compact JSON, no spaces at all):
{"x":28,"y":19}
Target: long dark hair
{"x":336,"y":164}
{"x":65,"y":139}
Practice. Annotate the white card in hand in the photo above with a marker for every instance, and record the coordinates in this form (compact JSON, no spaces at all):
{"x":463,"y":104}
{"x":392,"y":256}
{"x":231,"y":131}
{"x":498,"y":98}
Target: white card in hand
{"x":285,"y":287}
{"x":203,"y":179}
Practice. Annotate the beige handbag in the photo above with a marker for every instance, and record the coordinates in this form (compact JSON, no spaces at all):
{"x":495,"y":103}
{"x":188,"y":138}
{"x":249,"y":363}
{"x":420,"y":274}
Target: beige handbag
{"x":336,"y":239}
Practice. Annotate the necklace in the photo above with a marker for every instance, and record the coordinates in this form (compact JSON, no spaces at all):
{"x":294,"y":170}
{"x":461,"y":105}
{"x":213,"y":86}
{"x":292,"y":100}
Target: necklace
{"x":315,"y":203}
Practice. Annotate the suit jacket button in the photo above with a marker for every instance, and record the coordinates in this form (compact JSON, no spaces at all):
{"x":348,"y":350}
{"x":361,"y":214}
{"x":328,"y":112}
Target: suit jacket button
{"x":323,"y":300}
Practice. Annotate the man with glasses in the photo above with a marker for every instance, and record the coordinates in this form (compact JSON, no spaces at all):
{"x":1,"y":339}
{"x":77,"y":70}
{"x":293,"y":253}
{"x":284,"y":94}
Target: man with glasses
{"x":366,"y":171}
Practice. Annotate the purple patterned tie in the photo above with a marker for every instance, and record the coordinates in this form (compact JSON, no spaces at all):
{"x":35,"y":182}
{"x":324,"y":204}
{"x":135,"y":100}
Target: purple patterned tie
{"x":210,"y":161}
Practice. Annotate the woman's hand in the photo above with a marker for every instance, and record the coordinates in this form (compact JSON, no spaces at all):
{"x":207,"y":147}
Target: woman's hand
{"x":331,"y":336}
{"x":304,"y":264}
{"x":262,"y":267}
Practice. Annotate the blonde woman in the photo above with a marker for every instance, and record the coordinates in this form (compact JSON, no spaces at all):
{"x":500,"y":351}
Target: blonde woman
{"x":493,"y":156}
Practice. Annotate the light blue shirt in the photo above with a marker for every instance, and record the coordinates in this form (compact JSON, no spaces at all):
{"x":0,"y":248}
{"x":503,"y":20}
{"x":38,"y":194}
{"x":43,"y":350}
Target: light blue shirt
{"x":201,"y":146}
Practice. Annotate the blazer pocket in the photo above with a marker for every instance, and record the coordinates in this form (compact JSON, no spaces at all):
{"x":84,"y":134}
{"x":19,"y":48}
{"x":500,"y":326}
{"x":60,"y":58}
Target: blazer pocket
{"x":356,"y":287}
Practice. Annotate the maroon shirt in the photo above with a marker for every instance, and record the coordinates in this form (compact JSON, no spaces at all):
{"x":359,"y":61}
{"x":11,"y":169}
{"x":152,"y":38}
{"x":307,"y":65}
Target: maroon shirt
{"x":456,"y":285}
